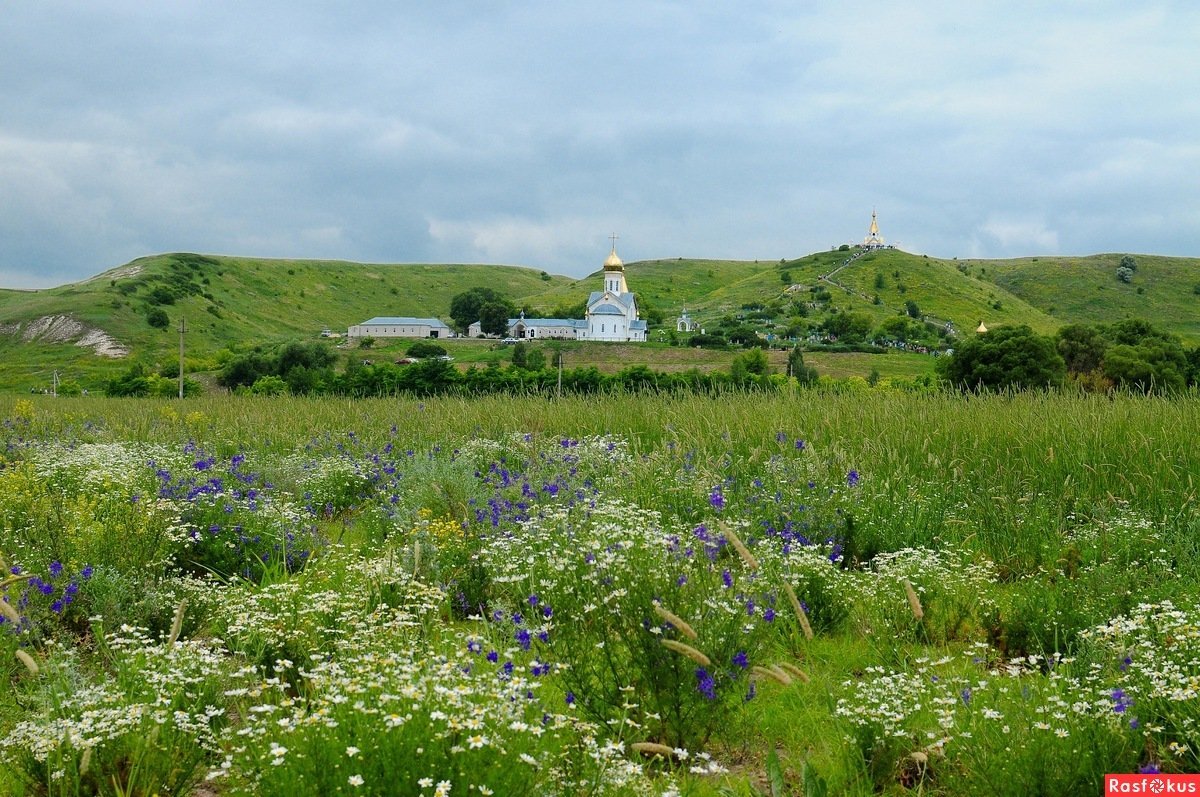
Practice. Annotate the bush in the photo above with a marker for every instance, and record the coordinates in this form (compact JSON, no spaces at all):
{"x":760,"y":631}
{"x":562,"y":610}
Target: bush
{"x":158,"y":318}
{"x":424,"y":349}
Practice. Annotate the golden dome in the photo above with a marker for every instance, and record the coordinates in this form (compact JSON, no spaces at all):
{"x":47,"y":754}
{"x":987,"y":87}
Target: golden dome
{"x":613,"y":263}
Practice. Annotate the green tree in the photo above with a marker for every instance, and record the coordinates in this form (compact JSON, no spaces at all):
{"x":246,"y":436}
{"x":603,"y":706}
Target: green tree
{"x":518,"y":355}
{"x":535,"y":359}
{"x":849,"y":327}
{"x":755,"y":362}
{"x":493,"y":317}
{"x":1005,"y":357}
{"x":911,"y":308}
{"x":897,"y":328}
{"x":467,"y":307}
{"x":798,"y":370}
{"x":1082,"y":347}
{"x":1128,"y":262}
{"x":158,"y":318}
{"x":269,"y":385}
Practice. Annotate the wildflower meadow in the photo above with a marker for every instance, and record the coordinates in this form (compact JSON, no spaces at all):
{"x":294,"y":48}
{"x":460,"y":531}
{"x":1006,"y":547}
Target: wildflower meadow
{"x":744,"y":594}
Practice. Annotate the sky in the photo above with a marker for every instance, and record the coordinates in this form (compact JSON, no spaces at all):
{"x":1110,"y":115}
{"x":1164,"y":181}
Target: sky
{"x":526,"y":133}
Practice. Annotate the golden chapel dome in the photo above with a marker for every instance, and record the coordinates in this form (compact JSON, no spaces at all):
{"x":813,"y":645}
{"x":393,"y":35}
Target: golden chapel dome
{"x":612,"y":262}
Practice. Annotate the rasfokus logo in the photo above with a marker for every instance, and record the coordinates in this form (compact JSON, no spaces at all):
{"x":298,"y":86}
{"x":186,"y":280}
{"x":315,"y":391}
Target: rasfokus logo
{"x":1155,"y":783}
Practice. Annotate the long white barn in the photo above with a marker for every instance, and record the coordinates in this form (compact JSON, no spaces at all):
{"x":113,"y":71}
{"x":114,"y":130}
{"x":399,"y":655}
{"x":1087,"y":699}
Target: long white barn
{"x":400,"y":327}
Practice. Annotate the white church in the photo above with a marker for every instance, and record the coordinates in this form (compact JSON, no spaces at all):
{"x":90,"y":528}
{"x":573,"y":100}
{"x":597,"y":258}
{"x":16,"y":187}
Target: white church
{"x":611,"y":315}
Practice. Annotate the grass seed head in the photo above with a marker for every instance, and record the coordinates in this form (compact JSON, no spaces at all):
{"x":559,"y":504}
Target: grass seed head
{"x":28,"y":661}
{"x":739,"y":546}
{"x":794,"y":671}
{"x":177,"y":623}
{"x":766,"y":673}
{"x":801,"y":615}
{"x":9,"y":612}
{"x":652,"y":749}
{"x":914,"y":602}
{"x":680,"y":624}
{"x":687,"y":650}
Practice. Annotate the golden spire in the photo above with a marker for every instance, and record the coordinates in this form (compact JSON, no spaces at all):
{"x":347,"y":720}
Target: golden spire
{"x":874,"y":224}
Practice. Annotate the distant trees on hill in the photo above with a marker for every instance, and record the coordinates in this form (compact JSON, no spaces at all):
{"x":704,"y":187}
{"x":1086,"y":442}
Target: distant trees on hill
{"x":1130,"y":354}
{"x":1006,"y":357}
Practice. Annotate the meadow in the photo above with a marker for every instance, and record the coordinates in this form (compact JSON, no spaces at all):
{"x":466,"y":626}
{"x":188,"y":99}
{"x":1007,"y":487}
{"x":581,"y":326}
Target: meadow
{"x":803,"y":593}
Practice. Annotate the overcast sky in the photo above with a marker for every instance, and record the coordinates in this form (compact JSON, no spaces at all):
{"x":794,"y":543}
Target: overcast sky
{"x":526,"y":132}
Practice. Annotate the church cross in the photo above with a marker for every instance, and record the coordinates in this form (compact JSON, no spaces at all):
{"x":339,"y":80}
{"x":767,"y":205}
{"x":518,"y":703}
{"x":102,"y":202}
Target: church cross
{"x":613,"y":238}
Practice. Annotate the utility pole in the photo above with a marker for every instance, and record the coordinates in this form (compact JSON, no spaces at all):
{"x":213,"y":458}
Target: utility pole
{"x":54,"y":384}
{"x":560,"y":367}
{"x":182,"y":331}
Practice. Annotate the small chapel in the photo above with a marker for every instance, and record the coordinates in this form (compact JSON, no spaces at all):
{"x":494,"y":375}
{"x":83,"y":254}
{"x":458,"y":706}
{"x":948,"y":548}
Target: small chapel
{"x":873,"y":240}
{"x":611,"y":313}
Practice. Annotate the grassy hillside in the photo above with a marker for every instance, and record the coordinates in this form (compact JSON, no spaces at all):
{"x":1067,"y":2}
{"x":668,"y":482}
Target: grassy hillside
{"x":233,"y":303}
{"x":228,"y":302}
{"x":1164,"y":290}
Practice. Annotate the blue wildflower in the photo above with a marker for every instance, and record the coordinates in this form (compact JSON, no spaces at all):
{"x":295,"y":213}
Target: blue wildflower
{"x":740,"y":659}
{"x":705,"y":684}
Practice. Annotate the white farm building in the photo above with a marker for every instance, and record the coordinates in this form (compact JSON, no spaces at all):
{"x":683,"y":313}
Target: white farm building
{"x":400,"y":327}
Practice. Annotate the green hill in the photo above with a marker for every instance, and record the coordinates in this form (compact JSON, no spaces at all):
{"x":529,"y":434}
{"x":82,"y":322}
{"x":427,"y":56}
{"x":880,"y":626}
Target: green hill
{"x":228,"y":303}
{"x":88,"y":331}
{"x":1163,"y":290}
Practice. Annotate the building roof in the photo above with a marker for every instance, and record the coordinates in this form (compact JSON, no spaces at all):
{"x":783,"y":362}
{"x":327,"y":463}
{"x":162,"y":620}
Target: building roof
{"x":606,"y":309}
{"x":403,"y":321}
{"x":548,"y":322}
{"x":625,"y":299}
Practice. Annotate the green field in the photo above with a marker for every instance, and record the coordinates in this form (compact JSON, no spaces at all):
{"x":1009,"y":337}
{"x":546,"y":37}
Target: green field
{"x":798,"y":593}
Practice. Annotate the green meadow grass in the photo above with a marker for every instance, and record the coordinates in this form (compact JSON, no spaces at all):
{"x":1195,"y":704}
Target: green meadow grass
{"x":1023,"y":522}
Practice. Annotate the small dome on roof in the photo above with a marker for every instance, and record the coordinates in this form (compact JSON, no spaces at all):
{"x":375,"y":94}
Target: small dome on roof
{"x":612,"y":262}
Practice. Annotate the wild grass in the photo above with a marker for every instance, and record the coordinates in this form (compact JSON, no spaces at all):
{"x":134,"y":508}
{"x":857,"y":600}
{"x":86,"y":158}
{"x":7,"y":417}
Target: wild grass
{"x":907,"y":588}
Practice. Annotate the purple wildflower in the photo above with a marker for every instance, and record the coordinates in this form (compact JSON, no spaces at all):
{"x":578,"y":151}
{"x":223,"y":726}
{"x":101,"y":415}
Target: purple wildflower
{"x":705,"y":684}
